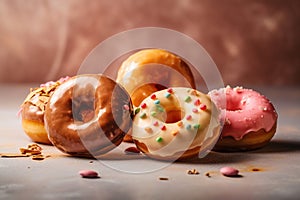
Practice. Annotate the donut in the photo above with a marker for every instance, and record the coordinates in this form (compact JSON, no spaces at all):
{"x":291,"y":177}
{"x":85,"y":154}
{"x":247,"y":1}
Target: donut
{"x":33,"y":109}
{"x":176,"y":124}
{"x":250,"y":119}
{"x":88,"y":115}
{"x":151,"y":70}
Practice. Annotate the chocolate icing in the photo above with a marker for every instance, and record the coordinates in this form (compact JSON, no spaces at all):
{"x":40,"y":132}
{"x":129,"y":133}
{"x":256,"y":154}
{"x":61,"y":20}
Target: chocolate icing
{"x":86,"y":117}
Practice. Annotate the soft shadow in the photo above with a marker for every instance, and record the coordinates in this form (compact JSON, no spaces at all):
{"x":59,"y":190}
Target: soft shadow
{"x":278,"y":146}
{"x":220,"y":158}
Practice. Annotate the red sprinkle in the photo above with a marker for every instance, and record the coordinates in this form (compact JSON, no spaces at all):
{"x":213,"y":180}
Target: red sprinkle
{"x":189,"y":117}
{"x":170,"y":90}
{"x":153,"y":96}
{"x":132,"y":150}
{"x":126,"y":107}
{"x":195,"y":110}
{"x":163,"y":128}
{"x":155,"y":123}
{"x":197,"y":102}
{"x":144,"y":105}
{"x":203,"y":107}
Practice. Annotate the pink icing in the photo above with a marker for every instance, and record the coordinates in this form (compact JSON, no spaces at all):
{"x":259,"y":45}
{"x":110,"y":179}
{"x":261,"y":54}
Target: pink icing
{"x":245,"y":111}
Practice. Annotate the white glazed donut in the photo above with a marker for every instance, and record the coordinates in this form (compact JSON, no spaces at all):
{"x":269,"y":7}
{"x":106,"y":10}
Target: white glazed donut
{"x":176,"y":124}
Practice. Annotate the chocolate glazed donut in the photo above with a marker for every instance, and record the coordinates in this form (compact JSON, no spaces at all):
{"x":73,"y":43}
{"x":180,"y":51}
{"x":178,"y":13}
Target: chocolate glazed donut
{"x":88,"y":115}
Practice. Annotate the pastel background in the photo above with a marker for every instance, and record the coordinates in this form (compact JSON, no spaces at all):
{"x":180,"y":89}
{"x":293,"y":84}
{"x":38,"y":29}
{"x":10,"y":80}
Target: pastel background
{"x":253,"y":42}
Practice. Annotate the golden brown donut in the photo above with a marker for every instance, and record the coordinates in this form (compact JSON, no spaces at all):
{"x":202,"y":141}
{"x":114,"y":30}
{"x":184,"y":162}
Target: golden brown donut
{"x":151,"y":70}
{"x":88,"y":115}
{"x":33,"y":109}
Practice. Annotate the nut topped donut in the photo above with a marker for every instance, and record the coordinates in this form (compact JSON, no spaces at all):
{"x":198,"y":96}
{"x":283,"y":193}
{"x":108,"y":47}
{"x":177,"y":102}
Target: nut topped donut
{"x":176,"y":124}
{"x":250,"y":119}
{"x":33,"y":109}
{"x":88,"y":115}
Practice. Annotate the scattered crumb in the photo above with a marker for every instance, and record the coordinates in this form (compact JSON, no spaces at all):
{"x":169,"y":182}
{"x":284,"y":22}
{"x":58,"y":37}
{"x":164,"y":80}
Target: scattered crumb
{"x":91,"y":162}
{"x":33,"y":150}
{"x":132,"y":150}
{"x":163,"y":178}
{"x":207,"y":174}
{"x":13,"y":155}
{"x":193,"y":172}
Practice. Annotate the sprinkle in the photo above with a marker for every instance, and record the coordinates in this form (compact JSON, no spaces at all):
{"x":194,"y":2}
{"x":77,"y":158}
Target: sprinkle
{"x":180,"y":123}
{"x":143,"y":115}
{"x":197,"y":102}
{"x":155,"y":123}
{"x":153,"y":113}
{"x":193,"y":92}
{"x":157,"y":102}
{"x":174,"y":132}
{"x":144,"y":105}
{"x":159,"y":108}
{"x":203,"y":107}
{"x":196,"y":126}
{"x":170,"y":90}
{"x":188,"y":99}
{"x":159,"y":139}
{"x":167,"y":95}
{"x":188,"y":127}
{"x":148,"y":130}
{"x":153,"y":96}
{"x":163,"y":128}
{"x":137,"y":110}
{"x":189,"y":117}
{"x":195,"y":110}
{"x":126,"y":107}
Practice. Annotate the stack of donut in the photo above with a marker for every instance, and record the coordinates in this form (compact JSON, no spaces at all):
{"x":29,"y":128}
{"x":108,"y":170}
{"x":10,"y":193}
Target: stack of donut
{"x":153,"y":103}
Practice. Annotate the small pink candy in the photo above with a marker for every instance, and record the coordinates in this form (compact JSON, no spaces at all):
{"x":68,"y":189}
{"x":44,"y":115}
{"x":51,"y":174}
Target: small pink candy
{"x":88,"y":174}
{"x":229,"y":171}
{"x":189,"y":117}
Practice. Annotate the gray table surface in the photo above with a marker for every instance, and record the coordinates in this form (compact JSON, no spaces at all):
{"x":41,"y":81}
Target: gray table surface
{"x":57,"y":176}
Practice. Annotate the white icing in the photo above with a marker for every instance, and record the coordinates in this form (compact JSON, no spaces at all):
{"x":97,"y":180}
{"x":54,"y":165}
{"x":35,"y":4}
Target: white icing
{"x":185,"y":139}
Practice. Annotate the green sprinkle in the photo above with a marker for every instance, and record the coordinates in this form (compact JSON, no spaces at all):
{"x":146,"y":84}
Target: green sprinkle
{"x":188,"y":99}
{"x":167,"y":95}
{"x":157,"y":102}
{"x":159,"y":108}
{"x":153,"y":113}
{"x":159,"y":139}
{"x":143,"y":115}
{"x":188,"y":127}
{"x":137,"y":110}
{"x":196,"y":126}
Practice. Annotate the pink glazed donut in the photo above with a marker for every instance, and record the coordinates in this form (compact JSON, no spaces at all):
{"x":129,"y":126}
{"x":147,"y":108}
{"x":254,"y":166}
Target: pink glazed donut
{"x":250,"y":119}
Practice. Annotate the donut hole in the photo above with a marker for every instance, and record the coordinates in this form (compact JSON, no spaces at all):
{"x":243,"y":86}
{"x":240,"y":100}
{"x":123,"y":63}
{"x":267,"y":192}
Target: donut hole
{"x":167,"y":115}
{"x":233,"y":105}
{"x":83,"y":111}
{"x":174,"y":116}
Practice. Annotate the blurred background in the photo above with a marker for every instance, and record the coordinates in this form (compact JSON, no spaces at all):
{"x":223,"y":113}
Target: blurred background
{"x":253,"y":42}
